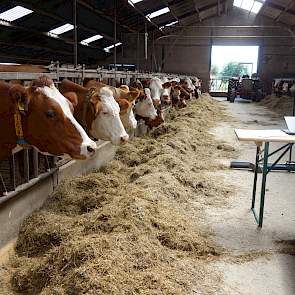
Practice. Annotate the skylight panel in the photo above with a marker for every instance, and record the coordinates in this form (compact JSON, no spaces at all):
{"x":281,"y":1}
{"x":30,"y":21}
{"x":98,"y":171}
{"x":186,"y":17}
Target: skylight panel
{"x":247,"y":4}
{"x":14,"y":13}
{"x":61,"y":29}
{"x":253,"y":6}
{"x":159,"y":12}
{"x":132,"y":2}
{"x":256,"y":7}
{"x":171,"y":24}
{"x":238,"y":3}
{"x":107,"y":49}
{"x":91,"y":39}
{"x":168,"y":25}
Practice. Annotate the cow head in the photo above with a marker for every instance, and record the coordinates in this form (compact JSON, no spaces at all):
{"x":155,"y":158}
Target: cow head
{"x":166,"y":91}
{"x":126,"y":113}
{"x":107,"y":124}
{"x":175,"y":93}
{"x":49,"y":122}
{"x":145,"y":107}
{"x":187,"y":84}
{"x":157,"y":121}
{"x":160,"y":91}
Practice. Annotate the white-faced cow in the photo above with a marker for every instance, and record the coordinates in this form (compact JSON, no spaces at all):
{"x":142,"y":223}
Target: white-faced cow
{"x":144,"y":106}
{"x":125,"y":98}
{"x":45,"y":121}
{"x":98,"y":112}
{"x":160,"y":91}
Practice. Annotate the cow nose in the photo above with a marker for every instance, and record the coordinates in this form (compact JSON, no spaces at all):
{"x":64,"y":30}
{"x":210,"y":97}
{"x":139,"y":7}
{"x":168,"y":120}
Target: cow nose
{"x":124,"y":139}
{"x":90,"y":149}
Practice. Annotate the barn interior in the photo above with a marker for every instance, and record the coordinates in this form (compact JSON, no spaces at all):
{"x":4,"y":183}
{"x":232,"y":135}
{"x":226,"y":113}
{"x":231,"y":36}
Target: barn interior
{"x":193,"y":203}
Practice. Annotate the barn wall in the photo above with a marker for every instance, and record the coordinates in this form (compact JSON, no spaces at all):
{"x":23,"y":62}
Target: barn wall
{"x":192,"y":55}
{"x":276,"y":56}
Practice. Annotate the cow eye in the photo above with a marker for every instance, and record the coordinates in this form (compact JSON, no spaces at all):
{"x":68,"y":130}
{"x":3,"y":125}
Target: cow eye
{"x":50,"y":114}
{"x":105,"y":113}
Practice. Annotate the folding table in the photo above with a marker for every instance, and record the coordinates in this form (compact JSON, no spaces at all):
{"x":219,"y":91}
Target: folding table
{"x":260,"y":137}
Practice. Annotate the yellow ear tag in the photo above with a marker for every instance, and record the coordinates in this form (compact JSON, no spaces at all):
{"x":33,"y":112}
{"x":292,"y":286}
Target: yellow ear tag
{"x":18,"y":125}
{"x":21,"y":106}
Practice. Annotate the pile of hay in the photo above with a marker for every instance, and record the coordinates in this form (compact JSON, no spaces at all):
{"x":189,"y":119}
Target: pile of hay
{"x":282,"y":105}
{"x":136,"y":226}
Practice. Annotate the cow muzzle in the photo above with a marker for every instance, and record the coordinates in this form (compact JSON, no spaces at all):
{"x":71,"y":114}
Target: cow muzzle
{"x":88,"y":149}
{"x":124,"y":139}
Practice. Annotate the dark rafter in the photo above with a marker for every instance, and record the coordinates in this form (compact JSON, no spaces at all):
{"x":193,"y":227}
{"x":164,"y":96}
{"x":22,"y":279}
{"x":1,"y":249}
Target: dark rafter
{"x":47,"y":13}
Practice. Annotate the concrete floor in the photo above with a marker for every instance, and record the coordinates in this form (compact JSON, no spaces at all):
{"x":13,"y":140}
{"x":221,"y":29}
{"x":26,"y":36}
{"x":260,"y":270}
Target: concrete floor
{"x":271,"y":272}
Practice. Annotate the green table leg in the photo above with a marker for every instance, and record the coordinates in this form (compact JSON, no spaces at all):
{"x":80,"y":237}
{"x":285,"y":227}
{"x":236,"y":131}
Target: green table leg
{"x":263,"y":186}
{"x":255,"y":178}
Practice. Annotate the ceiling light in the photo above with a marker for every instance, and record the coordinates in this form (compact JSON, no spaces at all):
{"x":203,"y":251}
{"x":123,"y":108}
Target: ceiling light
{"x":256,"y":7}
{"x":14,"y":13}
{"x":91,"y":39}
{"x":61,"y":30}
{"x":107,"y":49}
{"x":159,"y":12}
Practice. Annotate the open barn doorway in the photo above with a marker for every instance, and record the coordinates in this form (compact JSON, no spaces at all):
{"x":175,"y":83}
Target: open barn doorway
{"x":231,"y":61}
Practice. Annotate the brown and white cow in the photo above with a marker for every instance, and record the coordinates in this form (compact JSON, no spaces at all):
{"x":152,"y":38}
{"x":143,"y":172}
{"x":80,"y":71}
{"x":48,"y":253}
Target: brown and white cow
{"x":160,"y":90}
{"x":47,"y":122}
{"x":125,"y":97}
{"x":144,"y":106}
{"x":97,"y":111}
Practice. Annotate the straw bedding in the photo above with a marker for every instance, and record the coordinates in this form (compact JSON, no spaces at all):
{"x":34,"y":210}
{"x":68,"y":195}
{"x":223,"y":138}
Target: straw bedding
{"x":138,"y":225}
{"x":282,"y":105}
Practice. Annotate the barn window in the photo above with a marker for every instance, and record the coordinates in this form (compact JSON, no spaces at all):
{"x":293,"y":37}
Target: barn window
{"x":14,"y":13}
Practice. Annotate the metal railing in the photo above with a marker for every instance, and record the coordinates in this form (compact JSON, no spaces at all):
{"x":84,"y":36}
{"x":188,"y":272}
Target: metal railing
{"x":219,"y":84}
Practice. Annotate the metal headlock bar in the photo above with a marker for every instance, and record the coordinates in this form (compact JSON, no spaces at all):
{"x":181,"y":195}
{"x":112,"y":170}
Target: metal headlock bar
{"x":57,"y":72}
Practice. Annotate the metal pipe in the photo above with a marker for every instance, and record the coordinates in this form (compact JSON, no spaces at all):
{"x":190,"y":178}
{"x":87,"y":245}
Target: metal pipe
{"x":26,"y":186}
{"x":75,"y":33}
{"x":224,"y":36}
{"x":115,"y":38}
{"x":35,"y":163}
{"x":145,"y":42}
{"x":229,"y":26}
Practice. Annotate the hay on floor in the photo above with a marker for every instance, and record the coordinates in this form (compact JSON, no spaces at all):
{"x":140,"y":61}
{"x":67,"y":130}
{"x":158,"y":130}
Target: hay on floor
{"x":136,"y":226}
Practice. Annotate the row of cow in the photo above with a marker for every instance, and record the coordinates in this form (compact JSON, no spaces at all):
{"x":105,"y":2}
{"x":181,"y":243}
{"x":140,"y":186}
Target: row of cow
{"x":68,"y":119}
{"x":283,"y":86}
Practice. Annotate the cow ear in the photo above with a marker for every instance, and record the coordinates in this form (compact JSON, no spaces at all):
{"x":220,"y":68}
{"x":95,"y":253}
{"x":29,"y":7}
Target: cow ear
{"x":96,"y":102}
{"x":19,"y":94}
{"x":133,"y":94}
{"x":123,"y":104}
{"x":72,"y":98}
{"x":124,"y":88}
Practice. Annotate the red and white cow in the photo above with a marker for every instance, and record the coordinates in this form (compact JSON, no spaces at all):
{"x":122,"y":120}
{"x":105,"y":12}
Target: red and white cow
{"x":47,"y":122}
{"x":144,"y":106}
{"x":125,"y":98}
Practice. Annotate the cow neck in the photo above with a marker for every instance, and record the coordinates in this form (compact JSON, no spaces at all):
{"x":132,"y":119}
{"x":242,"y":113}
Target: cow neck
{"x":90,"y":92}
